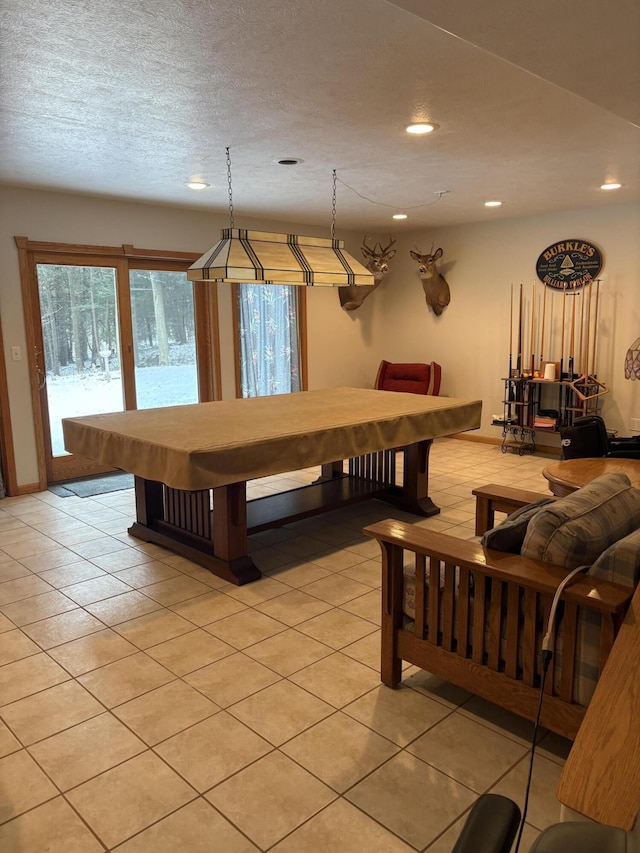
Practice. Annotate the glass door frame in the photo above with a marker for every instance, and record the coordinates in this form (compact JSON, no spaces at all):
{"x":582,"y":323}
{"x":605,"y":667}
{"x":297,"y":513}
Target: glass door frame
{"x":122,"y":259}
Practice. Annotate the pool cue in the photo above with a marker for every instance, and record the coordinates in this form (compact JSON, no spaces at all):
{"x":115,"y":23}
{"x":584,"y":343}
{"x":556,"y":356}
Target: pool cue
{"x":582,"y":304}
{"x":573,"y":326}
{"x":564,"y":305}
{"x":533,"y":318}
{"x":519,"y":385}
{"x":595,"y":327}
{"x":510,"y":330}
{"x":519,"y":360}
{"x":544,"y":311}
{"x":561,"y":377}
{"x":510,"y":395}
{"x":586,"y":343}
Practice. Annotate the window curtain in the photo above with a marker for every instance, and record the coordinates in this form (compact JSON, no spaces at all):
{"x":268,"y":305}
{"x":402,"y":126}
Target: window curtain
{"x":268,"y":335}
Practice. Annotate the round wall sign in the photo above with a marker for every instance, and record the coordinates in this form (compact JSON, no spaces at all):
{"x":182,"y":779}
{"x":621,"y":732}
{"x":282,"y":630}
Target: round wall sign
{"x":569,"y":263}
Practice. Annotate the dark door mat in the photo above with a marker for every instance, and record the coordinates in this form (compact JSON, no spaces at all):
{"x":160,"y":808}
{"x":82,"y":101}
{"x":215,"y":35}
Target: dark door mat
{"x":94,"y":486}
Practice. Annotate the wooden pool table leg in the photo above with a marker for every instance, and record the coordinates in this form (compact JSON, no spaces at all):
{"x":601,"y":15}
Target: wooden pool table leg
{"x":230,"y":542}
{"x":149,"y":501}
{"x":414,"y":495}
{"x":225,"y":554}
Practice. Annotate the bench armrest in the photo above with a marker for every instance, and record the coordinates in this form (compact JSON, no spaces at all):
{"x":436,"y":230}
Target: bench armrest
{"x":494,"y":498}
{"x":594,"y":593}
{"x":478,"y":618}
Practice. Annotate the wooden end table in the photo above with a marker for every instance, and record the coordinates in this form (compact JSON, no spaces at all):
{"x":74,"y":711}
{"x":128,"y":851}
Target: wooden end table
{"x":567,"y":476}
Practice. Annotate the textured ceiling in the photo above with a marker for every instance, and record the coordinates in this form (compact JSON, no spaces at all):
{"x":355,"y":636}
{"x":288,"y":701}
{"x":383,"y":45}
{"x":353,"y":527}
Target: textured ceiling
{"x":538,"y":104}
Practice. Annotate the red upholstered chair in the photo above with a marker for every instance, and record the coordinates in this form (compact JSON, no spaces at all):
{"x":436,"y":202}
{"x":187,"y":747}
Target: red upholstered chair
{"x":411,"y":378}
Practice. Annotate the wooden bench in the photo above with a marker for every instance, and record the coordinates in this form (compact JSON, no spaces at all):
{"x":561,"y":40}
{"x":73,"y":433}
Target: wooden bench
{"x":467,"y":598}
{"x":495,"y":498}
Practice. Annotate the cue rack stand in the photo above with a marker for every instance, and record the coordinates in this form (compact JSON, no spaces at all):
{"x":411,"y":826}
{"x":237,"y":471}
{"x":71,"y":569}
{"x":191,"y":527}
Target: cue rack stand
{"x":552,"y":377}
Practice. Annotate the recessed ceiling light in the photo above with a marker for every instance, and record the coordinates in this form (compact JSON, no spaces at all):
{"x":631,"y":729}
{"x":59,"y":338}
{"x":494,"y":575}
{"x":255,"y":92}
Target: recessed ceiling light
{"x":197,"y":185}
{"x":610,"y":185}
{"x":399,"y":215}
{"x":422,"y":128}
{"x":289,"y":161}
{"x":492,"y":203}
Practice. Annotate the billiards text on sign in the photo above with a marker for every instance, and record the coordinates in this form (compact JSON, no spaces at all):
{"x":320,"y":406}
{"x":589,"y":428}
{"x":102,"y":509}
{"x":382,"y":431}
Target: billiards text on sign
{"x":569,"y":264}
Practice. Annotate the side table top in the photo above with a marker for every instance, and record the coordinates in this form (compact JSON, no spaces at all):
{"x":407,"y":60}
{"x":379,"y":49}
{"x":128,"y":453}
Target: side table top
{"x":570,"y":474}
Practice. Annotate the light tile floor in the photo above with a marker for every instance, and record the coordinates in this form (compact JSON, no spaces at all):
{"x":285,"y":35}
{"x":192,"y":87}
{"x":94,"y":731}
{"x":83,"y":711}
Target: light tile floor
{"x":146,"y":706}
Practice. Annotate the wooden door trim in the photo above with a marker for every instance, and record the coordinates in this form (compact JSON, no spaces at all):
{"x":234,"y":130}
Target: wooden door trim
{"x":207,"y":330}
{"x":7,"y":454}
{"x":235,"y":319}
{"x":124,"y":251}
{"x":302,"y":337}
{"x":33,"y":331}
{"x":125,"y":334}
{"x":159,"y":255}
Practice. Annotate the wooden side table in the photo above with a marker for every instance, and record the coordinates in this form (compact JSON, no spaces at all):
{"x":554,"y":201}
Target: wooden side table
{"x":601,"y":777}
{"x":567,"y":476}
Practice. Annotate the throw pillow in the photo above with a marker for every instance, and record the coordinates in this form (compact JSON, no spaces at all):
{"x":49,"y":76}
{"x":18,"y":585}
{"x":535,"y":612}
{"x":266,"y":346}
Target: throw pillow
{"x":509,"y":534}
{"x":575,"y":530}
{"x":620,"y":563}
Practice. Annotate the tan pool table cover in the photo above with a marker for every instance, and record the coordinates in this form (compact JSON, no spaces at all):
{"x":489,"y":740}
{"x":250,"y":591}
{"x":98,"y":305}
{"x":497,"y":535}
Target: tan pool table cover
{"x":207,"y":445}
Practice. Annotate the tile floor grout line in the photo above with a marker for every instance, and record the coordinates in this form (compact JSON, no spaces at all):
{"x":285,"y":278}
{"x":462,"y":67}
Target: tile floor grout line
{"x":333,"y":547}
{"x":175,"y":811}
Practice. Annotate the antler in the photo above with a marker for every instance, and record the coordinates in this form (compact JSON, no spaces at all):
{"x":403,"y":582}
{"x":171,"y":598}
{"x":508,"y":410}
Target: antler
{"x":386,"y":248}
{"x":377,"y":251}
{"x":366,"y":249}
{"x":422,"y":254}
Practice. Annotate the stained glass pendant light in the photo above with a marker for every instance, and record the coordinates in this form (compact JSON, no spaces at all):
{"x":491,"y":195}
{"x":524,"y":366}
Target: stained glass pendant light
{"x":632,"y":361}
{"x":262,"y":257}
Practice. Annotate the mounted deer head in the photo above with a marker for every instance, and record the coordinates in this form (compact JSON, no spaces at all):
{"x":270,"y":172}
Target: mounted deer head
{"x":436,"y":289}
{"x":378,"y":261}
{"x":378,"y":257}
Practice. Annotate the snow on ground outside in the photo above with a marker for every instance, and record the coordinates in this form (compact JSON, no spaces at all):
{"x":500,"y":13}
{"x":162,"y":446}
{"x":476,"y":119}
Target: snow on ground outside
{"x":95,"y":393}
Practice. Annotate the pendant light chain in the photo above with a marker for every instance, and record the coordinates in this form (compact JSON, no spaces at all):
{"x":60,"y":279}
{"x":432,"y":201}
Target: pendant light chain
{"x":230,"y":191}
{"x":333,"y":208}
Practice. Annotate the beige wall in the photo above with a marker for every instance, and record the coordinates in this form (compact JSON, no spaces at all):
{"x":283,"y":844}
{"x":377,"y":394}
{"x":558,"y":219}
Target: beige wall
{"x":470,"y":339}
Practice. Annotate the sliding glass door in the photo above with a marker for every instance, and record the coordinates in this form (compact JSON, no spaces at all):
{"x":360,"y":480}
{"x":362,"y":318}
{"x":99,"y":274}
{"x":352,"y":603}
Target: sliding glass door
{"x":164,"y":338}
{"x":80,"y":365}
{"x":109,"y":332}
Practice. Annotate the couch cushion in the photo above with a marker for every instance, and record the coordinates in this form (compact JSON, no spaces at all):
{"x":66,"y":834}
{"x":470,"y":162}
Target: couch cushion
{"x":620,"y":563}
{"x":509,"y":534}
{"x":575,"y":530}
